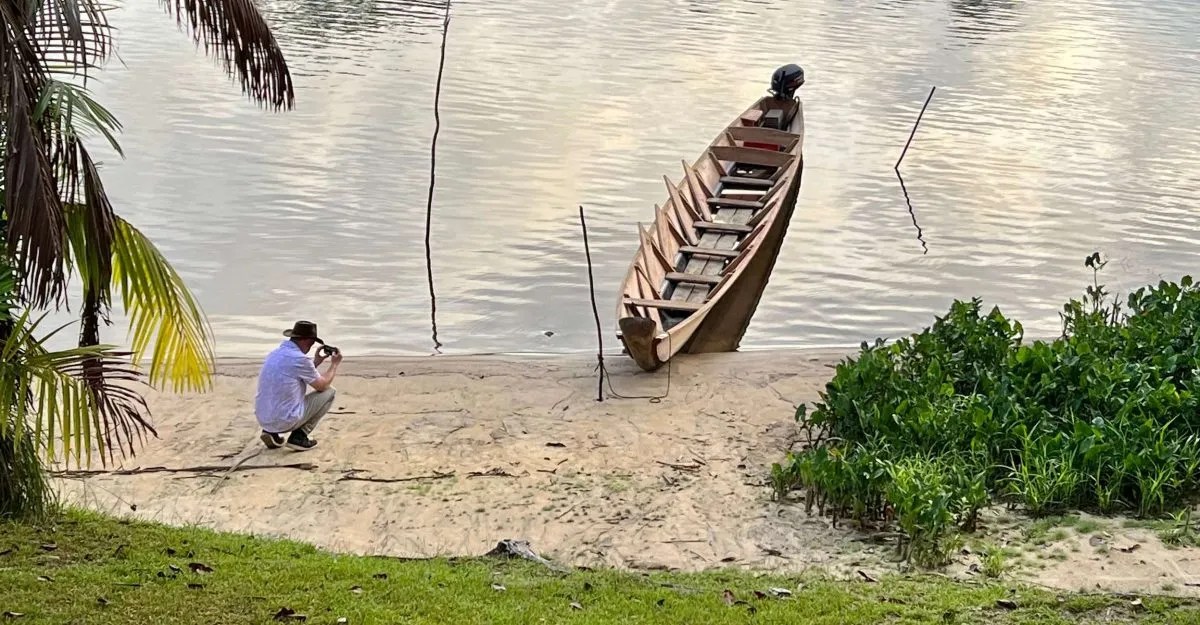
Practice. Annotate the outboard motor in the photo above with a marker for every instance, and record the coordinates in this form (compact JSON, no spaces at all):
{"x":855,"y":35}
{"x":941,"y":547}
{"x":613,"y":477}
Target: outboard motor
{"x":786,"y":80}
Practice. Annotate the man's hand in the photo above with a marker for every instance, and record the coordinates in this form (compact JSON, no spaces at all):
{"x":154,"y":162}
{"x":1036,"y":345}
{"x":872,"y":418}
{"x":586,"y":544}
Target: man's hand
{"x":326,"y":378}
{"x":318,"y":359}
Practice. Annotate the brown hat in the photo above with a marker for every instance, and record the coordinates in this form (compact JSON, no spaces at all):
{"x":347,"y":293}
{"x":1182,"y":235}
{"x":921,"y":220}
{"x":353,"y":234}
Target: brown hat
{"x":304,"y":330}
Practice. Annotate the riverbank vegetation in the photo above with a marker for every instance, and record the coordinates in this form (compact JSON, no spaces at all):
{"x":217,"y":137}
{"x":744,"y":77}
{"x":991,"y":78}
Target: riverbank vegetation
{"x":927,"y":431}
{"x":83,"y":567}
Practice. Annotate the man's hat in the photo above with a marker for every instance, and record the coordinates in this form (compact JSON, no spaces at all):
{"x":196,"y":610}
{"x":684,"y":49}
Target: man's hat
{"x":304,"y":330}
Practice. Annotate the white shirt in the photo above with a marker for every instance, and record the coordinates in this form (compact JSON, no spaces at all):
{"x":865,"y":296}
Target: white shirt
{"x":279,"y":404}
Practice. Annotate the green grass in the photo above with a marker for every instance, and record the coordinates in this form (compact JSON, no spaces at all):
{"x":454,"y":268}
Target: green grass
{"x":1179,"y":531}
{"x":995,"y":561}
{"x":1054,"y":529}
{"x":93,"y":569}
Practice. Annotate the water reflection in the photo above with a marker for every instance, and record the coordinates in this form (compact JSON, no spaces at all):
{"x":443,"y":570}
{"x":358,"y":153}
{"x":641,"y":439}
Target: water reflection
{"x":322,"y":24}
{"x":1062,"y":134}
{"x":975,"y":21}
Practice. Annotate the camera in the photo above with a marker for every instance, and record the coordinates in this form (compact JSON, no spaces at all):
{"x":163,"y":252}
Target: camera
{"x":328,"y":350}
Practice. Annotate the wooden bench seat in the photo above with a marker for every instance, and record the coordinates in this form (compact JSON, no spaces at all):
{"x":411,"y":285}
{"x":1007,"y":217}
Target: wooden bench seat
{"x":722,"y":227}
{"x":765,"y":183}
{"x":733,"y":203}
{"x":750,"y":156}
{"x":692,"y":278}
{"x":665,"y":304}
{"x":709,"y":251}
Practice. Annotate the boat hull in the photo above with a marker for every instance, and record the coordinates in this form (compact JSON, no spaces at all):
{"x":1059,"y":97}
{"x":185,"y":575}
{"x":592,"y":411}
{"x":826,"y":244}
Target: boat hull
{"x":703,"y":264}
{"x":725,"y":325}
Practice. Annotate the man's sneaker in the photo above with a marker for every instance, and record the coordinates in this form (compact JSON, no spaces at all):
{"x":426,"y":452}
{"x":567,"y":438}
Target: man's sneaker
{"x":271,"y":440}
{"x":299,"y":441}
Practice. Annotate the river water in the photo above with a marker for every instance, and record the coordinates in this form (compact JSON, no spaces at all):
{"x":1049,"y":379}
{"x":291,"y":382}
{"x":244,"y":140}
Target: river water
{"x":1058,"y":128}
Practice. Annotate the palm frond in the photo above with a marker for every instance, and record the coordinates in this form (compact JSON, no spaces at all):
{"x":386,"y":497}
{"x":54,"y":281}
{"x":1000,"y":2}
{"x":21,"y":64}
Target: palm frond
{"x":77,"y":114}
{"x":37,"y":40}
{"x":165,"y":321}
{"x":36,"y":224}
{"x":74,"y":400}
{"x":8,"y":292}
{"x":238,"y":36}
{"x":163,"y":315}
{"x":72,"y":37}
{"x":91,"y":232}
{"x":71,"y":113}
{"x":44,"y":165}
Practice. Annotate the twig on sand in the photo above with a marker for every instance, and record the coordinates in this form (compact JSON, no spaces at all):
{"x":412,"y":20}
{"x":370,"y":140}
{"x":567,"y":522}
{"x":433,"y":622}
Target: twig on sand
{"x":562,"y":401}
{"x":556,"y":466}
{"x":239,"y":463}
{"x":349,"y":476}
{"x":680,"y":467}
{"x":491,"y":473}
{"x":567,"y":511}
{"x":208,"y":468}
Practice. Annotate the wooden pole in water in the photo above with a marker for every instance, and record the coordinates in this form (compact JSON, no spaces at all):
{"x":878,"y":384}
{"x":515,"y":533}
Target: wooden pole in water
{"x":912,"y":213}
{"x":595,"y":311}
{"x":914,"y":128}
{"x":437,"y":126}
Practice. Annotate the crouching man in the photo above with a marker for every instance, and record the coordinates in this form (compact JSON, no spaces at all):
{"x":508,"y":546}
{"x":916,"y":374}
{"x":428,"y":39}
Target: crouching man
{"x":281,"y":404}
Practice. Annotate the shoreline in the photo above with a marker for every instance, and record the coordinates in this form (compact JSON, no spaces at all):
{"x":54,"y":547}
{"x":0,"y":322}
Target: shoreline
{"x":445,"y":456}
{"x":610,"y":356}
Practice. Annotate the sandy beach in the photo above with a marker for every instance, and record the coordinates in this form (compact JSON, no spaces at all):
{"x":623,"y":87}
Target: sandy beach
{"x":447,"y":455}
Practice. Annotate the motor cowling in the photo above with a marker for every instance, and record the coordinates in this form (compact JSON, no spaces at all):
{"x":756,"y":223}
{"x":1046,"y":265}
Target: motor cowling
{"x":786,"y":80}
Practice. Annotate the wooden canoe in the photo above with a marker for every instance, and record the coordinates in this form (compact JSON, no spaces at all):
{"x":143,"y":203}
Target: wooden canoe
{"x":703,"y":263}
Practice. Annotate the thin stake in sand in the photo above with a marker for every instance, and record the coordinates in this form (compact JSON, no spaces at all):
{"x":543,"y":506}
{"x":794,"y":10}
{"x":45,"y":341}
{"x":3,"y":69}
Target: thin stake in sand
{"x":587,"y":250}
{"x":603,"y":371}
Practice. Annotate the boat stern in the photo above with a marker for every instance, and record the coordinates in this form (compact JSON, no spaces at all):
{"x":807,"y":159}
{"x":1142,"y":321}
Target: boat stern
{"x":639,"y":335}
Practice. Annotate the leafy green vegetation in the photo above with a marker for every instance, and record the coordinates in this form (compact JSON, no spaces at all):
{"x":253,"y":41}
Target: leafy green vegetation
{"x":1181,"y":531}
{"x":91,"y":569}
{"x":928,"y":430}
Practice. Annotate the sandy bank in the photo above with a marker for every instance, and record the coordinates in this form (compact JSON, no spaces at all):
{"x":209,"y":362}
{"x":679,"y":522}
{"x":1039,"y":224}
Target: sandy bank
{"x":446,"y":455}
{"x":677,"y":483}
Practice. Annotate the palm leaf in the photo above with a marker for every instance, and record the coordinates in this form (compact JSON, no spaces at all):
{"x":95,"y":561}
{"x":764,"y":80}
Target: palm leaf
{"x":38,"y":39}
{"x":72,"y":37}
{"x":166,"y":323}
{"x":91,"y":228}
{"x":238,"y":36}
{"x":79,"y":116}
{"x":8,"y":292}
{"x":55,"y":214}
{"x":42,"y":165}
{"x":73,"y":398}
{"x":36,"y":225}
{"x":164,"y":318}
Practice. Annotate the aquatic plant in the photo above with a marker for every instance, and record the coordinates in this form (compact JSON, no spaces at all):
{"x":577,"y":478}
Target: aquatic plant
{"x":929,"y":429}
